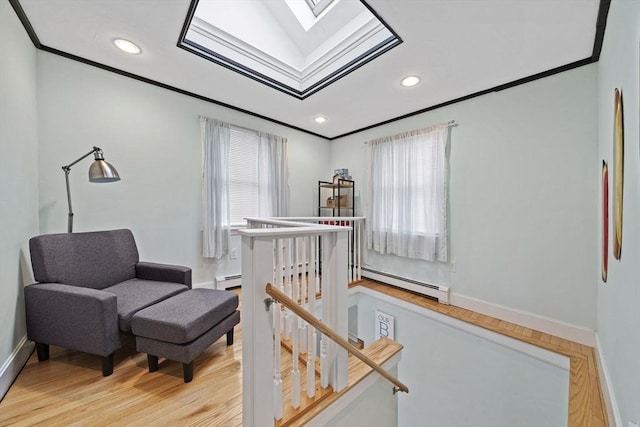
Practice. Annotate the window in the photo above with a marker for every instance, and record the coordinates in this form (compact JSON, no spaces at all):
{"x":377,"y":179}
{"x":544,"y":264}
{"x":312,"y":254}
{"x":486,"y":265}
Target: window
{"x":408,"y":194}
{"x":243,"y":175}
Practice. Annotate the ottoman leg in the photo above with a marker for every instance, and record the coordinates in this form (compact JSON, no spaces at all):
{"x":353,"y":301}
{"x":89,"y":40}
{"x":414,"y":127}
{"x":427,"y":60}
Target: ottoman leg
{"x":187,"y":372}
{"x":107,"y":365}
{"x":43,"y":351}
{"x":153,"y":362}
{"x":230,"y":337}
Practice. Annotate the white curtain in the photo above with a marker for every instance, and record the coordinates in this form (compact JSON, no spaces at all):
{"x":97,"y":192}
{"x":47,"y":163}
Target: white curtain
{"x":215,"y":136}
{"x":407,"y":212}
{"x":273,"y":176}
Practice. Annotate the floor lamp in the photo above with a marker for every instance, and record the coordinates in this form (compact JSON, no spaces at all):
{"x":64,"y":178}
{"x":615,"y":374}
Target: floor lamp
{"x":100,"y":171}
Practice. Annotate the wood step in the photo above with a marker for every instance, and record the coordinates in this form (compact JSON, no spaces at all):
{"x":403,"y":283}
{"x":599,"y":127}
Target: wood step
{"x":380,"y":351}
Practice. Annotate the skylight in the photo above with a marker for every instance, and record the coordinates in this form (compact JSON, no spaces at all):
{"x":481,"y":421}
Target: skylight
{"x":274,"y":43}
{"x":317,"y":6}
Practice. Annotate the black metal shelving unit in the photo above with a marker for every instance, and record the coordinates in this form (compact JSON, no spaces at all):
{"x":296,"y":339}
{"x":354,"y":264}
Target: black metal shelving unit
{"x":336,"y":198}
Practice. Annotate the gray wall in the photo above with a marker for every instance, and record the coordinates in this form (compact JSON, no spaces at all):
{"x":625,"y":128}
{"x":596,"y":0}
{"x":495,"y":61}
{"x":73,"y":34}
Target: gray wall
{"x":18,"y":175}
{"x":522,"y":196}
{"x":152,"y":136}
{"x":619,"y":298}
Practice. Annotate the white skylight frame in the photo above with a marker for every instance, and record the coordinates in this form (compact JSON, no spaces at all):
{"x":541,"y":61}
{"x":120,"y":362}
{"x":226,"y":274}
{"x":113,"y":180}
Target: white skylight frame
{"x":344,"y":51}
{"x":318,"y":6}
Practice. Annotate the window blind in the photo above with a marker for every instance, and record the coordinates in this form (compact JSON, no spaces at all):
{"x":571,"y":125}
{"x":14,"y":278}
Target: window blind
{"x":243,"y":175}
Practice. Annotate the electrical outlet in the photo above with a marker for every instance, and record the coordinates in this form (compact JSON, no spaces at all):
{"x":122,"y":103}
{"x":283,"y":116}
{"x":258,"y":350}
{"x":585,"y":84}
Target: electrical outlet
{"x":233,"y":253}
{"x":453,"y":266}
{"x":632,"y":424}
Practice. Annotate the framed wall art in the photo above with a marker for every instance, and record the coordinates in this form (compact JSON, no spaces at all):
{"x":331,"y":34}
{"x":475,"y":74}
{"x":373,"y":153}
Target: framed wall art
{"x":618,"y":173}
{"x":605,"y":220}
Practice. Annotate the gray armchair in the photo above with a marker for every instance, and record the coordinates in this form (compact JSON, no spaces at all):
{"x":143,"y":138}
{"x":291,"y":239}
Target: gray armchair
{"x":89,"y":287}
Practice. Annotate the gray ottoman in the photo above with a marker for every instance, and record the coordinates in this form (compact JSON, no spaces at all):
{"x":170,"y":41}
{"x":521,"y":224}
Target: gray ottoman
{"x":181,"y":327}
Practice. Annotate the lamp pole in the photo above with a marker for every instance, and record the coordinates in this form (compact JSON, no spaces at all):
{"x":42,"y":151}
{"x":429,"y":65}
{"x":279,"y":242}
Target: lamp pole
{"x":70,"y":219}
{"x":103,"y":173}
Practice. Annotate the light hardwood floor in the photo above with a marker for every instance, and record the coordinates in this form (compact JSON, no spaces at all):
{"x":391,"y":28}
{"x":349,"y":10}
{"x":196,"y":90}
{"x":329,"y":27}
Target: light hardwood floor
{"x":69,"y":390}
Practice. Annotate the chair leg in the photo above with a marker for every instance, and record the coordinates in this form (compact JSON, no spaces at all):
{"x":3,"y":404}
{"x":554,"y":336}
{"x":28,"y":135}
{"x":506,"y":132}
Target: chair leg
{"x":43,"y":351}
{"x":187,"y":372}
{"x":230,"y":337}
{"x":107,"y":365}
{"x":153,"y":362}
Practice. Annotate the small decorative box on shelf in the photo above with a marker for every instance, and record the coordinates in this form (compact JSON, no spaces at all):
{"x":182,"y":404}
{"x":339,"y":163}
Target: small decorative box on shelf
{"x":337,"y":202}
{"x":336,"y":197}
{"x":341,"y":181}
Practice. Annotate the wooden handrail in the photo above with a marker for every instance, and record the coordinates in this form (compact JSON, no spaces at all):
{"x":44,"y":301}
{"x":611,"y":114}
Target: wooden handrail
{"x":281,"y":297}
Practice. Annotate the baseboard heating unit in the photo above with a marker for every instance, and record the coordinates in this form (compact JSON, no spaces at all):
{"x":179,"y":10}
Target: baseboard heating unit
{"x":439,"y":292}
{"x":226,"y":282}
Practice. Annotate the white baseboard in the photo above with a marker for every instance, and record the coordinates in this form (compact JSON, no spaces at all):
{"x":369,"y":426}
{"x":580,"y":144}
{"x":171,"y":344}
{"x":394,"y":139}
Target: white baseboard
{"x":223,"y":282}
{"x":11,"y":368}
{"x":435,"y":291}
{"x":607,"y":387}
{"x":524,"y":318}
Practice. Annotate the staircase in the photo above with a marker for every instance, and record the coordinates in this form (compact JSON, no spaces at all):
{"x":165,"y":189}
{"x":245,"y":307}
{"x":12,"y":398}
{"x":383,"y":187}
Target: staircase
{"x":306,"y":383}
{"x":381,"y":351}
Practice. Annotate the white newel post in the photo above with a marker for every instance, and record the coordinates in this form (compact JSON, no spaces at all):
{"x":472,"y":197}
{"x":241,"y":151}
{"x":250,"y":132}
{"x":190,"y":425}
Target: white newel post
{"x":334,"y":303}
{"x":257,"y":332}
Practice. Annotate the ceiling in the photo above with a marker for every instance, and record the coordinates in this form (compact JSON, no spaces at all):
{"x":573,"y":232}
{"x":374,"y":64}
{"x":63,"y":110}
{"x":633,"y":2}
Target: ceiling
{"x":459,"y":48}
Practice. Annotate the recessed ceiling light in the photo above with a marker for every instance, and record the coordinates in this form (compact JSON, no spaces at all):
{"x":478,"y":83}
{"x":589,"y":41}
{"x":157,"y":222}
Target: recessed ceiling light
{"x":320,"y":119}
{"x":127,"y":46}
{"x":410,"y":81}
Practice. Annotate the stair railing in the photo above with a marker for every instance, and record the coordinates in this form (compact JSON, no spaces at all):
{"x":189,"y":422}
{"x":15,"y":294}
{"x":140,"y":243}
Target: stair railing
{"x":355,"y":237}
{"x":273,"y":252}
{"x":292,"y":305}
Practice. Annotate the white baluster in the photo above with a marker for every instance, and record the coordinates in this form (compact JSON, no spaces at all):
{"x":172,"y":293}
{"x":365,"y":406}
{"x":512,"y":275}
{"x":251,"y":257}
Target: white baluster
{"x":295,"y":373}
{"x":277,"y":361}
{"x":311,"y":293}
{"x":279,"y":278}
{"x":326,"y":290}
{"x":359,"y":247}
{"x":350,"y":275}
{"x":295,"y":281}
{"x":324,"y":367}
{"x":318,"y":265}
{"x":287,"y":288}
{"x":304,"y":272}
{"x":303,"y":291}
{"x":311,"y":333}
{"x":298,"y":294}
{"x":311,"y":362}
